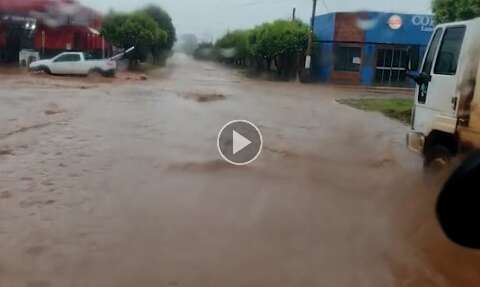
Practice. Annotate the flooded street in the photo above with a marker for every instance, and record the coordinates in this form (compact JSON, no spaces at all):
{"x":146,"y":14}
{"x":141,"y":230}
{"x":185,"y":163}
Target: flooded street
{"x":121,"y":184}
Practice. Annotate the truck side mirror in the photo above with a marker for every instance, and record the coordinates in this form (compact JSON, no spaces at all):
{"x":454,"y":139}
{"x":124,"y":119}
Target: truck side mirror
{"x":458,"y":206}
{"x":419,"y":78}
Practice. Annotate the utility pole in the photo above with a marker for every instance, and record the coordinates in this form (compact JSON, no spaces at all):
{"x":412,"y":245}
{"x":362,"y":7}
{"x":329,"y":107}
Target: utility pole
{"x":314,"y":13}
{"x":294,"y":14}
{"x":308,"y":60}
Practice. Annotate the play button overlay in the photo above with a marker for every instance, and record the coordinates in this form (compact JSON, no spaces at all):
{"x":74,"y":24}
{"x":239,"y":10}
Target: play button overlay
{"x":240,"y":142}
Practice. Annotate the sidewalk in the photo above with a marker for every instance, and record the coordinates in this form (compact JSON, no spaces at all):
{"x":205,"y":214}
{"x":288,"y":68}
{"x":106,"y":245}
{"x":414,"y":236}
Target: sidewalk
{"x":377,"y":89}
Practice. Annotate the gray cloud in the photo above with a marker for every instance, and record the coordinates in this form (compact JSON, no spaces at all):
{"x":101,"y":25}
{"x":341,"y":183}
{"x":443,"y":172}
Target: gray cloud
{"x":210,"y":18}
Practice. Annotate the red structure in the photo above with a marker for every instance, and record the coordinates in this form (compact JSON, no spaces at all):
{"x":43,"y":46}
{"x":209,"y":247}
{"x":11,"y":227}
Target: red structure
{"x":50,"y":27}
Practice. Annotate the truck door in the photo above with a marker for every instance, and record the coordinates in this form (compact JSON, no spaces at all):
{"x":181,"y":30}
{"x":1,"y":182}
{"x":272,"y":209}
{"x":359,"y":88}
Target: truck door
{"x":436,"y":100}
{"x":441,"y":94}
{"x":65,"y":64}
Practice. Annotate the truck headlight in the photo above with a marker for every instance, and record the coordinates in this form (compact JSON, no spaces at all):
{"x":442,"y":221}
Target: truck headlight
{"x":415,"y":141}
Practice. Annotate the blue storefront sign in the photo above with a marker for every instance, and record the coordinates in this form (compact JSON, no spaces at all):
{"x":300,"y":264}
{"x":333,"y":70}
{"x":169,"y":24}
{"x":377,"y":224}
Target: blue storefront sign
{"x":370,"y":47}
{"x":413,"y":30}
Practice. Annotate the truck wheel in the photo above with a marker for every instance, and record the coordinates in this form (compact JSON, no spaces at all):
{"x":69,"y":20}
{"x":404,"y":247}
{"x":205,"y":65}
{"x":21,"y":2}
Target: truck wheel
{"x":46,"y":70}
{"x":95,"y":74}
{"x":109,"y":74}
{"x":437,"y":157}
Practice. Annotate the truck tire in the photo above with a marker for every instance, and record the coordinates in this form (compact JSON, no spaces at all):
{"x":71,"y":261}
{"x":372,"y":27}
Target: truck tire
{"x":95,"y":74}
{"x":437,"y":157}
{"x":109,"y":74}
{"x":46,"y":70}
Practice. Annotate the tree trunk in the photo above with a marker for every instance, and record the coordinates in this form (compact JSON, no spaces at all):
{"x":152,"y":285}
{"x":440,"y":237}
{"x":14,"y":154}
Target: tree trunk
{"x":278,"y":65}
{"x":269,"y":64}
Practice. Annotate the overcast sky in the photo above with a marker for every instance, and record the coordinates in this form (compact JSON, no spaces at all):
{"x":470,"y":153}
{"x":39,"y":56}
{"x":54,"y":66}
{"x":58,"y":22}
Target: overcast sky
{"x":210,"y":18}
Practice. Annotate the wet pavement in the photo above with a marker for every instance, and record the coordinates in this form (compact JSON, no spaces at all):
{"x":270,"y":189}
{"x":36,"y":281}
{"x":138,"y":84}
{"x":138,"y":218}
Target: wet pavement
{"x":119,"y":183}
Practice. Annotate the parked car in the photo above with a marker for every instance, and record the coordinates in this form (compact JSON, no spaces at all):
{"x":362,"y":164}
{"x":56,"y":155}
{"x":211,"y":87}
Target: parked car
{"x":75,"y":63}
{"x":446,"y":116}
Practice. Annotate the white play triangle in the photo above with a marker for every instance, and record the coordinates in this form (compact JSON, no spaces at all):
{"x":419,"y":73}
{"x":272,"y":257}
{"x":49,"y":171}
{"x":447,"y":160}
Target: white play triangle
{"x":239,"y":142}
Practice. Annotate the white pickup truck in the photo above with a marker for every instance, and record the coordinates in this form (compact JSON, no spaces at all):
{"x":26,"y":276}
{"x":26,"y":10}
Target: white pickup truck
{"x":75,"y":63}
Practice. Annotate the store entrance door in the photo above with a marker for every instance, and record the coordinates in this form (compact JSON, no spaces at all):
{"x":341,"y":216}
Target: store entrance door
{"x":392,"y":64}
{"x":13,"y":43}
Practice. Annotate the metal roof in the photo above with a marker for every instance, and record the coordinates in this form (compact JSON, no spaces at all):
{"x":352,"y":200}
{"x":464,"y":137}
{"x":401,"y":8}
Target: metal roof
{"x":26,"y":6}
{"x":51,"y":12}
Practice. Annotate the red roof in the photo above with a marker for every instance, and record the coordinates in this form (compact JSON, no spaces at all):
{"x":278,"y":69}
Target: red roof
{"x":51,"y":10}
{"x":29,"y":6}
{"x":24,"y":6}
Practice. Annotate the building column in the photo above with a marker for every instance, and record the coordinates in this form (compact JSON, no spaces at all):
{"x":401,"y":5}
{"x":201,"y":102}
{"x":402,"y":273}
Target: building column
{"x":368,"y":65}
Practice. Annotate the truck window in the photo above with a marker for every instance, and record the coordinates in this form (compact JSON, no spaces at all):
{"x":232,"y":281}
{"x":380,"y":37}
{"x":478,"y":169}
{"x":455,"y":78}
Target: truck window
{"x":427,"y":66}
{"x":447,"y":59}
{"x":89,"y":56}
{"x":68,"y":58}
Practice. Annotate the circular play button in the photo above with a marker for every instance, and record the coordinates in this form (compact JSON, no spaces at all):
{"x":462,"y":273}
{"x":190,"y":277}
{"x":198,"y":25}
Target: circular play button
{"x":240,"y":142}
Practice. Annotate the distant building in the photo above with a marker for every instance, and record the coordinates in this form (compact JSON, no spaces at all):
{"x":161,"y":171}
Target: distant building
{"x":369,"y":48}
{"x":49,"y":27}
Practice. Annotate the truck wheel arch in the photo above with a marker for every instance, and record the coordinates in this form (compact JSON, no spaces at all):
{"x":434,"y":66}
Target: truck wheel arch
{"x":440,"y":145}
{"x":45,"y":69}
{"x":95,"y":71}
{"x":447,"y":140}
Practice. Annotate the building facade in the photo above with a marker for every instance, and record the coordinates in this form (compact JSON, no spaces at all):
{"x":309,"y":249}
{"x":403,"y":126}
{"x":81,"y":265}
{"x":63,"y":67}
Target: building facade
{"x":49,"y":27}
{"x":369,"y":48}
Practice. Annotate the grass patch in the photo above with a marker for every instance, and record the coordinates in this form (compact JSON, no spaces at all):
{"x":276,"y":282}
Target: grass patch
{"x":399,"y":109}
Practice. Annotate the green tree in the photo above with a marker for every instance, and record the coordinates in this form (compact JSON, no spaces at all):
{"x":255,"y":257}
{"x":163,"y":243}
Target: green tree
{"x":279,"y":42}
{"x":234,"y":47}
{"x":455,"y":10}
{"x":136,"y":29}
{"x":165,"y":23}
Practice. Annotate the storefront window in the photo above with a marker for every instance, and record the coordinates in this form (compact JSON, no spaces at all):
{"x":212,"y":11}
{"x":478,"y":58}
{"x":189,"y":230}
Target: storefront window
{"x":392,"y":65}
{"x":348,"y":59}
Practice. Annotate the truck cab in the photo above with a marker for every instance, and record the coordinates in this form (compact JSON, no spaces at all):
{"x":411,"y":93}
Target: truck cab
{"x":446,"y":84}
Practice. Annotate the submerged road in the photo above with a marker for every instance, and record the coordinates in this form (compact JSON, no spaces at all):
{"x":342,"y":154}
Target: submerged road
{"x":120,"y":184}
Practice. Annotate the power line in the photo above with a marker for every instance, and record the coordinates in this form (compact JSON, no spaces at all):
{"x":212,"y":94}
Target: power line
{"x":324,"y":2}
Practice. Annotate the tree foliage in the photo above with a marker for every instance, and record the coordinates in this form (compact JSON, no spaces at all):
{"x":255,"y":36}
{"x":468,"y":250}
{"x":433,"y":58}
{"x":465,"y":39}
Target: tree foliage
{"x":278,"y":42}
{"x":150,"y":30}
{"x":234,"y":46}
{"x":165,"y":23}
{"x":455,"y":10}
{"x":279,"y":38}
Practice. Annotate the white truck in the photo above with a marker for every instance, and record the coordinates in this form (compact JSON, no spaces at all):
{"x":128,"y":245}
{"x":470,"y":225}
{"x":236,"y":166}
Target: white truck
{"x":75,"y":63}
{"x":446,"y":116}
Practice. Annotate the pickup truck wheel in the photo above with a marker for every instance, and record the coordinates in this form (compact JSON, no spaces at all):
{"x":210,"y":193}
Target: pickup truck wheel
{"x":46,"y":70}
{"x":95,"y":74}
{"x":109,"y":74}
{"x":437,"y":157}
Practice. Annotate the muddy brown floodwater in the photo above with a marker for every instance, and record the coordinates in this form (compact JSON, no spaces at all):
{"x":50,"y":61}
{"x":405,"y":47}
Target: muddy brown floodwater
{"x":120,"y":184}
